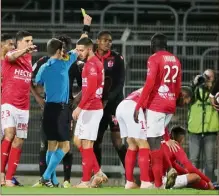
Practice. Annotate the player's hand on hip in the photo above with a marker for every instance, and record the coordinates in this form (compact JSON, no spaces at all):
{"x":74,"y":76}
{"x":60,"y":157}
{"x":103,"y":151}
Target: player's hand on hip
{"x":87,"y":20}
{"x":76,"y":113}
{"x":173,"y":145}
{"x":32,"y":48}
{"x":136,"y":113}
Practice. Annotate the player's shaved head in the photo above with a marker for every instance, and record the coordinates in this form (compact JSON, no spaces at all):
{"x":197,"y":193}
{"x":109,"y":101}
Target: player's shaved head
{"x":158,"y":42}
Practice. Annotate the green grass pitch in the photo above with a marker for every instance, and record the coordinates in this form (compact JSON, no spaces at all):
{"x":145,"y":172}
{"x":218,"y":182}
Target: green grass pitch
{"x":27,"y":190}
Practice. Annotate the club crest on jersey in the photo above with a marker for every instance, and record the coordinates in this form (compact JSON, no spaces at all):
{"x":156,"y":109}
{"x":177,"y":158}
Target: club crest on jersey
{"x":110,"y":63}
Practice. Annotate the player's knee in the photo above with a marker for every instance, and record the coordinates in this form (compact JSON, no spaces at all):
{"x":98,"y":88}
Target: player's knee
{"x":132,"y":145}
{"x":193,"y":178}
{"x":142,"y":143}
{"x":9,"y":134}
{"x":17,"y":142}
{"x":65,"y":146}
{"x":77,"y":142}
{"x":87,"y":144}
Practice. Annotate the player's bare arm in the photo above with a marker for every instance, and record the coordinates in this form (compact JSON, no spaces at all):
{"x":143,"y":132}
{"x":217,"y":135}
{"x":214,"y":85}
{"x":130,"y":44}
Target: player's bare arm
{"x":16,"y":54}
{"x":149,"y":84}
{"x":87,"y":22}
{"x":36,"y":90}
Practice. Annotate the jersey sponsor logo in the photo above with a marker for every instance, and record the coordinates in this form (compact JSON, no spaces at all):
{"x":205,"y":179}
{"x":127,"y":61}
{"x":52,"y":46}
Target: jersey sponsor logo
{"x":110,"y":63}
{"x":22,"y":75}
{"x":163,"y":91}
{"x":92,"y":71}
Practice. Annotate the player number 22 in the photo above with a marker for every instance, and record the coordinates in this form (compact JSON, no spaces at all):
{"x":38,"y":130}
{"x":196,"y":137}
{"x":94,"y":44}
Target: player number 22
{"x":167,"y":78}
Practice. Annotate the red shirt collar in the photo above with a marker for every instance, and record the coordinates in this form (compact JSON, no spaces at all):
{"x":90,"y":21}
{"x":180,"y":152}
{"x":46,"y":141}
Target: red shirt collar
{"x":104,"y":56}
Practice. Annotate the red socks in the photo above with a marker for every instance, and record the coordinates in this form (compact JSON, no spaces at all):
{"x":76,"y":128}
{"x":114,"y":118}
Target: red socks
{"x":13,"y":161}
{"x":96,"y":167}
{"x":87,"y":163}
{"x":157,"y":166}
{"x":201,"y":185}
{"x":130,"y":159}
{"x":5,"y":146}
{"x":143,"y":162}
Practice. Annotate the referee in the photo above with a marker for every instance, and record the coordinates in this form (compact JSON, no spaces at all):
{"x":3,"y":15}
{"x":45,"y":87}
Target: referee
{"x":53,"y":75}
{"x":74,"y":73}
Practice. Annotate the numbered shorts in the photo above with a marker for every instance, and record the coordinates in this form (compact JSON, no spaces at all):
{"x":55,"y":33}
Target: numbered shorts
{"x":128,"y":127}
{"x":156,"y":123}
{"x":14,"y":117}
{"x":88,"y":124}
{"x":181,"y":181}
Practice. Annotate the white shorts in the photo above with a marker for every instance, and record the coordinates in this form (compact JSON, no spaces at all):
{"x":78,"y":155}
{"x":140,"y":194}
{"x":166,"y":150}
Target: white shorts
{"x":88,"y":124}
{"x":14,"y":117}
{"x":181,"y":181}
{"x":156,"y":123}
{"x":125,"y":117}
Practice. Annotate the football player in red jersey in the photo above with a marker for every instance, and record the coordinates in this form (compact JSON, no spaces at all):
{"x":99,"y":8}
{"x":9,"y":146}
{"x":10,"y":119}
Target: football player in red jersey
{"x":158,"y":99}
{"x":89,"y":111}
{"x":15,"y":99}
{"x":187,"y":173}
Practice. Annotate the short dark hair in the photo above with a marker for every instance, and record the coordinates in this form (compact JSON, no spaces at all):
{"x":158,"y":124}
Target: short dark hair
{"x":66,"y":40}
{"x":5,"y":36}
{"x":176,"y":132}
{"x":21,"y":34}
{"x":53,"y":45}
{"x":159,"y":41}
{"x":85,"y":41}
{"x":101,"y":33}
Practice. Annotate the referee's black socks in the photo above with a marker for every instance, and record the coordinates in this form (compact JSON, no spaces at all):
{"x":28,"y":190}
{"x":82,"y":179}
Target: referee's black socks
{"x":67,"y":164}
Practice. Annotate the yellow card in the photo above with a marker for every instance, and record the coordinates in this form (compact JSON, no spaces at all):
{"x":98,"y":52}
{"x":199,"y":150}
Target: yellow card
{"x":83,"y":12}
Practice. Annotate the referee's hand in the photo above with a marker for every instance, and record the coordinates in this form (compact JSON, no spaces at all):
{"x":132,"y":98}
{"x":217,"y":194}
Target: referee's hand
{"x":76,"y":113}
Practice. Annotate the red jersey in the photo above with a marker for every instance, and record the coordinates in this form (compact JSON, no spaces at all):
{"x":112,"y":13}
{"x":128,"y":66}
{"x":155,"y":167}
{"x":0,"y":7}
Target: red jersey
{"x":163,"y":83}
{"x":92,"y":85}
{"x":16,"y":81}
{"x":181,"y":157}
{"x":135,"y":96}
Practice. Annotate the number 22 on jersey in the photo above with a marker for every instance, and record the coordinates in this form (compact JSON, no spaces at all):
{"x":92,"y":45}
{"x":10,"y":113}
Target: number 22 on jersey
{"x":170,"y":78}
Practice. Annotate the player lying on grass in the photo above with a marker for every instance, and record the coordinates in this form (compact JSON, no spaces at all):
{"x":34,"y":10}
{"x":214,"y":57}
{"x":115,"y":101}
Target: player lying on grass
{"x":187,"y":173}
{"x":136,"y":135}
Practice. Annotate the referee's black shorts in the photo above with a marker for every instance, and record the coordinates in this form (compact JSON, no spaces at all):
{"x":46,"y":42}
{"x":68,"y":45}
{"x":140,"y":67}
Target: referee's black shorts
{"x":56,"y":121}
